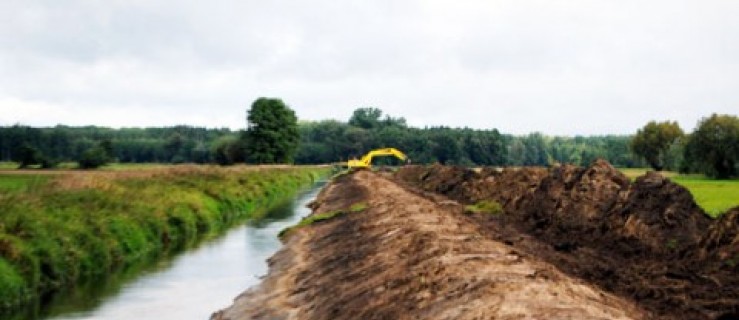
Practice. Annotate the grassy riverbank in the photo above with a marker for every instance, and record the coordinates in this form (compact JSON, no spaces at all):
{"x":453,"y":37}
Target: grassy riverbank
{"x":56,"y":230}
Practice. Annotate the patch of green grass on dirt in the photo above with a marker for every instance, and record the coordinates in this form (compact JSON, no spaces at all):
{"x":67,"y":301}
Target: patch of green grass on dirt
{"x":357,"y":207}
{"x":485,"y":206}
{"x":309,"y":220}
{"x":320,"y":217}
{"x":714,"y":196}
{"x":314,"y":218}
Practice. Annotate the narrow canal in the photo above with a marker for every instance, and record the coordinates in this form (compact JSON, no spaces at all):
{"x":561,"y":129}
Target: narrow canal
{"x":190,"y":285}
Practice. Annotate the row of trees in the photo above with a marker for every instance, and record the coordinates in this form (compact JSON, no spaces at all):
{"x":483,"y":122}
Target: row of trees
{"x":712,"y":149}
{"x":47,"y":146}
{"x":273,"y":135}
{"x":331,"y":140}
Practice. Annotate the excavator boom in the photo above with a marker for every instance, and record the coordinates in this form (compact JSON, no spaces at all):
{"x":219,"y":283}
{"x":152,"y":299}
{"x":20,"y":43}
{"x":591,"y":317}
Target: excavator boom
{"x":366,"y":160}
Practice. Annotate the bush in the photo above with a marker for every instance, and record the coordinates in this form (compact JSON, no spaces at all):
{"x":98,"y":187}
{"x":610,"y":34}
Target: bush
{"x":93,"y":158}
{"x":28,"y":155}
{"x":228,"y":150}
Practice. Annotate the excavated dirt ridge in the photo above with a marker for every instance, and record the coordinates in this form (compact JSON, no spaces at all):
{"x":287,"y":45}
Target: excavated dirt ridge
{"x":646,"y":241}
{"x":412,"y":254}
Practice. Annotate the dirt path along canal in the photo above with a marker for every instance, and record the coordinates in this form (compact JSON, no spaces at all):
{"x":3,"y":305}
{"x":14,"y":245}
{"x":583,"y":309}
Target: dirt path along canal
{"x":407,"y":256}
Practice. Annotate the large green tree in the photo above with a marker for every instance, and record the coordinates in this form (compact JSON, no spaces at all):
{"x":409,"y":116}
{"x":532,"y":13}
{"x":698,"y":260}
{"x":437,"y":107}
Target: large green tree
{"x":272,"y":133}
{"x":366,"y":118}
{"x":714,"y":146}
{"x":654,"y":140}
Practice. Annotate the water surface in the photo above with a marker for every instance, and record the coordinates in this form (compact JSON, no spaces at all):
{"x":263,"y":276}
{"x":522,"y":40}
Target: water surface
{"x":191,"y":285}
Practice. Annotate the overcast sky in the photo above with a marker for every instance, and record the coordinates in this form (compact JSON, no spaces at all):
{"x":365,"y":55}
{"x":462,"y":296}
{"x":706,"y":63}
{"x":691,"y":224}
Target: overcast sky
{"x":558,"y":67}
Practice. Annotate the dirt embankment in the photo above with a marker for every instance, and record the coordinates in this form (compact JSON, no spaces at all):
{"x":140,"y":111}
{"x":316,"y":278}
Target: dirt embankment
{"x":413,"y":256}
{"x":647,"y":241}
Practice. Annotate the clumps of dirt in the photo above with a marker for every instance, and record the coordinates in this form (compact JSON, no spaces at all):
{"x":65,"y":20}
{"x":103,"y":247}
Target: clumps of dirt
{"x":721,"y":241}
{"x":448,"y":180}
{"x":572,"y":192}
{"x":599,"y":204}
{"x":332,"y":199}
{"x":661,"y":214}
{"x":462,"y":184}
{"x":646,"y":240}
{"x":410,"y":257}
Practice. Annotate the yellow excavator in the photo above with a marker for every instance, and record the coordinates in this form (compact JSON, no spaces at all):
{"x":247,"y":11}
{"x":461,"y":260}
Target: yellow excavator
{"x":366,"y":161}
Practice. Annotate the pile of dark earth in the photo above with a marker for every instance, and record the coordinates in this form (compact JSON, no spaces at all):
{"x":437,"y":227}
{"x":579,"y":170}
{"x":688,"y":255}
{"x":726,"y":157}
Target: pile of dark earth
{"x":645,"y":240}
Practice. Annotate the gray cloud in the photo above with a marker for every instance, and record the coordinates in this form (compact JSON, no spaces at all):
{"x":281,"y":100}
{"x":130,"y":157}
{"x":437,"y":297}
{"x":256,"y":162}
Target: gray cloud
{"x":574,"y":67}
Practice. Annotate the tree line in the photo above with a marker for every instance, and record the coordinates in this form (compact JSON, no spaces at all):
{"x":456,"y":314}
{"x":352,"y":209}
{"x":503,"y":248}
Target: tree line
{"x":49,"y":146}
{"x":273,"y":134}
{"x":712,"y":149}
{"x":367,"y":129}
{"x":306,"y":142}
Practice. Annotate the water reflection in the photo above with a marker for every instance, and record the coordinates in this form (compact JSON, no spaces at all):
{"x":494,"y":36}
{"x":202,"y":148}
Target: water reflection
{"x":189,"y":285}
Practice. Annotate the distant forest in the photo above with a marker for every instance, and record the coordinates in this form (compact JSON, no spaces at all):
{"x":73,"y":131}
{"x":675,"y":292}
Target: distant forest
{"x":325,"y":142}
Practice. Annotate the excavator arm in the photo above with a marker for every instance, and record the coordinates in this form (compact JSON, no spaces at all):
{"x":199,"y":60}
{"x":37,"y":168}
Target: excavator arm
{"x":366,"y":160}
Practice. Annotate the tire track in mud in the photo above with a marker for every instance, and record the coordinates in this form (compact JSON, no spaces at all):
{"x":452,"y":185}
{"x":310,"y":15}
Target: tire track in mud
{"x":411,"y":257}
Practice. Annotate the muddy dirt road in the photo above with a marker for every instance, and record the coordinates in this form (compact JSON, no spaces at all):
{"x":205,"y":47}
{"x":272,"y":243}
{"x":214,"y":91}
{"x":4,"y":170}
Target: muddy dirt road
{"x":413,"y":255}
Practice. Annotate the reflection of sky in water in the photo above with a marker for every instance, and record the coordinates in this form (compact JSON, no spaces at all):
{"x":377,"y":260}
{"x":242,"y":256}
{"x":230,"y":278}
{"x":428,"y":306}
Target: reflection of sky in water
{"x":202,"y":281}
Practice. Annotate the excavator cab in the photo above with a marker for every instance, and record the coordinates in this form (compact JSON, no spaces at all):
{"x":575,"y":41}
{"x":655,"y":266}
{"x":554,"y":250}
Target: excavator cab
{"x":366,"y":161}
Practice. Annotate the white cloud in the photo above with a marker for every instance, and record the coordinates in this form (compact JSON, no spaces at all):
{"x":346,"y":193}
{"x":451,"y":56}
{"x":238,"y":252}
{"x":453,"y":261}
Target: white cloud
{"x":572,"y":67}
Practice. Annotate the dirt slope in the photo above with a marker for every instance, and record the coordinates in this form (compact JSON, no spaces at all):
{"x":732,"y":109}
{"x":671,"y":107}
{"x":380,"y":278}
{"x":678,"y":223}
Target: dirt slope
{"x":646,"y":240}
{"x":412,"y":256}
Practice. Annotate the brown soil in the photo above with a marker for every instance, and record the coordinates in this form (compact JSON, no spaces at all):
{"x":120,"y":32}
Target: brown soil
{"x":647,"y":241}
{"x":412,"y":255}
{"x":572,"y":243}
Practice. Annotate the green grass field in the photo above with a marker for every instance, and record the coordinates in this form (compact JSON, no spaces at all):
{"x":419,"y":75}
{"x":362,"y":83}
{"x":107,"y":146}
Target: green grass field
{"x":17,"y":182}
{"x":714,"y":196}
{"x":8,"y":165}
{"x":109,"y":167}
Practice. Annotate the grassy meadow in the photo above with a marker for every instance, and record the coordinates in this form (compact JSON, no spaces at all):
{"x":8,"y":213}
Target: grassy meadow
{"x":714,"y":196}
{"x":4,"y":165}
{"x":17,"y":182}
{"x":56,"y":229}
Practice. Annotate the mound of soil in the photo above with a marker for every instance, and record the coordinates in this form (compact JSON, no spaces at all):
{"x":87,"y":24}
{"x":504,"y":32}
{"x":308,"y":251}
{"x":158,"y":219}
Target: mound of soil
{"x":721,"y":242}
{"x":409,"y":257}
{"x":646,"y":240}
{"x":661,"y":214}
{"x":453,"y":182}
{"x":506,"y":186}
